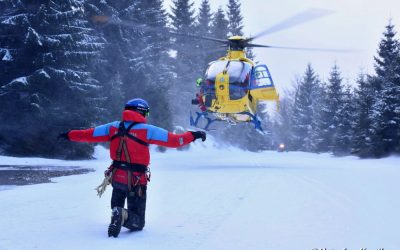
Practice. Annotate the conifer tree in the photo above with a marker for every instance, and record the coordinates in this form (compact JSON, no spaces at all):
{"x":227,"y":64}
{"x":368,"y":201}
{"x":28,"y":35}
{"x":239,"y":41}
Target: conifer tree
{"x":282,"y":129}
{"x":7,"y":52}
{"x":302,"y":119}
{"x":183,"y":21}
{"x":219,"y":28}
{"x":203,"y":28}
{"x":204,"y":19}
{"x":157,"y":70}
{"x":251,"y":55}
{"x":119,"y":65}
{"x":386,"y":107}
{"x":235,"y":24}
{"x":49,"y":82}
{"x":235,"y":18}
{"x":362,"y":144}
{"x":135,"y":61}
{"x":334,"y":102}
{"x":320,"y":125}
{"x":343,"y":135}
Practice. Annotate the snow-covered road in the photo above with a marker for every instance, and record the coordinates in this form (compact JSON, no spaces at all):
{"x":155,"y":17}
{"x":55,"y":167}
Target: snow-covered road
{"x":217,"y":199}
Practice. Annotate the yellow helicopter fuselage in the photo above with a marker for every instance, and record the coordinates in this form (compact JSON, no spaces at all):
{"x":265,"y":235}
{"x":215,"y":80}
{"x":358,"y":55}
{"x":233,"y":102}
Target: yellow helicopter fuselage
{"x":224,"y":106}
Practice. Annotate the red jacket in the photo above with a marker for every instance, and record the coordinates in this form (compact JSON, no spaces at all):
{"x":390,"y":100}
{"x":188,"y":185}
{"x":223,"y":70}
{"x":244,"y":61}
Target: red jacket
{"x":138,"y":153}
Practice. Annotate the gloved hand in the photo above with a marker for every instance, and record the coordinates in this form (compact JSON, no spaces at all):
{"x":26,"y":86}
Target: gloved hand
{"x":198,"y":135}
{"x":63,"y":135}
{"x":108,"y":172}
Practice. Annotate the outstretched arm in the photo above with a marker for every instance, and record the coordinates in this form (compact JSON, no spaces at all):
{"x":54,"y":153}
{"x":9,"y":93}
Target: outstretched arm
{"x":86,"y":135}
{"x":164,"y":138}
{"x":97,"y":134}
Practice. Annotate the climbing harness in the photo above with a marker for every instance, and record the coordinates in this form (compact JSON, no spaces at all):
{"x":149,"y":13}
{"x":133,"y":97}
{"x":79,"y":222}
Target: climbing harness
{"x":123,"y":134}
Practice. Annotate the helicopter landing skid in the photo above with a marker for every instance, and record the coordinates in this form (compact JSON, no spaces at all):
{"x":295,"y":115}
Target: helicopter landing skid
{"x":195,"y":122}
{"x":256,"y":122}
{"x":254,"y":119}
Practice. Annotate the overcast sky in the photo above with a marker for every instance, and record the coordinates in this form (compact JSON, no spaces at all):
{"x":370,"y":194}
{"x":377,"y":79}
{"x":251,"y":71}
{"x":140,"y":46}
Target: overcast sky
{"x":355,"y":24}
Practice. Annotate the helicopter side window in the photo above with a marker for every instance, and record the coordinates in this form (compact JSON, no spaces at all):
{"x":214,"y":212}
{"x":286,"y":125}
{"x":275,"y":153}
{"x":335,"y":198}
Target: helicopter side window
{"x":261,"y":77}
{"x":214,"y":69}
{"x":239,"y":76}
{"x":208,"y":88}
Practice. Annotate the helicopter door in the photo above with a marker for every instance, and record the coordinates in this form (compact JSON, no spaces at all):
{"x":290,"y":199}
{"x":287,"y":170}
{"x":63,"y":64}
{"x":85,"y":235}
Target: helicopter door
{"x":261,"y":84}
{"x":261,"y":78}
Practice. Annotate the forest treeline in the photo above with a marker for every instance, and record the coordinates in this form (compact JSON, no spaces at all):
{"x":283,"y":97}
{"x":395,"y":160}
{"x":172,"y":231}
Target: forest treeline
{"x":73,"y":64}
{"x":334,"y":117}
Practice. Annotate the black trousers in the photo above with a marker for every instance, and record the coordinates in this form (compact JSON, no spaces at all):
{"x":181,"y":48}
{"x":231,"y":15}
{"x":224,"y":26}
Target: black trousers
{"x":136,"y":200}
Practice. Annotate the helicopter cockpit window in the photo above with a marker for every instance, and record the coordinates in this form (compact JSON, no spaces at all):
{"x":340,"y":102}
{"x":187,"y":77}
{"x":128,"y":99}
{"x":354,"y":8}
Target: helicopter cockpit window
{"x":261,"y":77}
{"x":239,"y":76}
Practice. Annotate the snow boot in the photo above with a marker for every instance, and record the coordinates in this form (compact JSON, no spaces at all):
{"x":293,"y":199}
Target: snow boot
{"x":118,"y":218}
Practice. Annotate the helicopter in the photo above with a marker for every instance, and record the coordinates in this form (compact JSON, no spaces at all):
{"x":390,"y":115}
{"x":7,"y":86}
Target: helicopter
{"x":233,"y":85}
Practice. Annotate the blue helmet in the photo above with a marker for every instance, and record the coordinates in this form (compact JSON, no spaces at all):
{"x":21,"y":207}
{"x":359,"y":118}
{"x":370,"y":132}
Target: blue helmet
{"x":138,"y":105}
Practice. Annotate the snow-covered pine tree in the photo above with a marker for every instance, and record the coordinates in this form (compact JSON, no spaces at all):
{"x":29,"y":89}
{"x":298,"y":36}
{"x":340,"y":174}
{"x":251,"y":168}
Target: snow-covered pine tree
{"x":320,"y":125}
{"x":235,"y":23}
{"x":157,"y":71}
{"x":49,"y":82}
{"x":344,"y":132}
{"x":385,"y":113}
{"x":219,"y":27}
{"x":116,"y":22}
{"x":362,"y":144}
{"x":235,"y":18}
{"x":135,"y":62}
{"x":6,"y":39}
{"x":184,"y":87}
{"x":334,"y":102}
{"x":251,"y":55}
{"x":282,"y":130}
{"x":302,"y":119}
{"x":203,"y":28}
{"x":204,"y":18}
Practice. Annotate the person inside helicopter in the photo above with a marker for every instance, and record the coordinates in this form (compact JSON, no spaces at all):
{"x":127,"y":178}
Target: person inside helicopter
{"x":199,"y":96}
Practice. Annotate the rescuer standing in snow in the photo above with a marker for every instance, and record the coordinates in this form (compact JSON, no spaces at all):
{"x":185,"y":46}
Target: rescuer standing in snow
{"x":129,"y":150}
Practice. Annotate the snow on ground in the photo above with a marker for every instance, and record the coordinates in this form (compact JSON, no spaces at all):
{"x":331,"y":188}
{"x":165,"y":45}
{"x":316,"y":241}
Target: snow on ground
{"x":208,"y":198}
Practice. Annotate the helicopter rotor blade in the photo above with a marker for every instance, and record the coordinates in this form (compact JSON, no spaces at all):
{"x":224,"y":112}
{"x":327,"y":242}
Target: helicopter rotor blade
{"x":300,"y":18}
{"x":301,"y":48}
{"x":257,"y":45}
{"x":224,"y":41}
{"x":106,"y":20}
